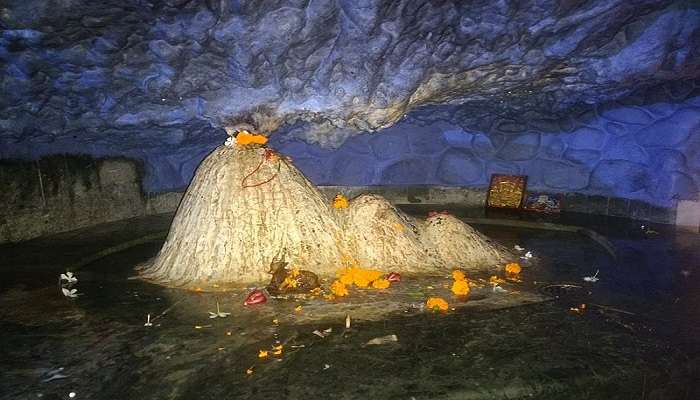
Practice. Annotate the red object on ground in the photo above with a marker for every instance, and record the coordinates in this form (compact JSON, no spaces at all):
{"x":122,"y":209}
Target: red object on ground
{"x":436,"y":213}
{"x":255,"y":297}
{"x":393,"y":277}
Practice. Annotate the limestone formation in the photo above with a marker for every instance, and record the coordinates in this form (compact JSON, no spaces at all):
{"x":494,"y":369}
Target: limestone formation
{"x":248,"y":207}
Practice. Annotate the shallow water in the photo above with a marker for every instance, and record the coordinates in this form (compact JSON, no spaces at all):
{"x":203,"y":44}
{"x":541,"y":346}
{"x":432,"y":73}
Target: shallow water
{"x":636,"y":338}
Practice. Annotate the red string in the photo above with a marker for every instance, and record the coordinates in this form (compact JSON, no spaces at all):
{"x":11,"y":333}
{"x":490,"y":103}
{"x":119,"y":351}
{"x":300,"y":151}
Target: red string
{"x":266,"y":156}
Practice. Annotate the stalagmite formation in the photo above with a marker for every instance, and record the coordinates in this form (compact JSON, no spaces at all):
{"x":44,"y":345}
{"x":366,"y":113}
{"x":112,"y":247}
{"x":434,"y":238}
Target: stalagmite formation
{"x":248,"y":206}
{"x":227,"y":233}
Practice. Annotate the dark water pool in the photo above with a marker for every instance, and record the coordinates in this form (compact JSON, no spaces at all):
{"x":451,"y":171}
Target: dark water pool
{"x":636,"y":338}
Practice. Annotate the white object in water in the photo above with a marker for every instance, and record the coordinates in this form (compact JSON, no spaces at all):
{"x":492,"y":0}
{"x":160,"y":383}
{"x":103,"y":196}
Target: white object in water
{"x":71,"y":395}
{"x":383,"y":340}
{"x":69,"y":277}
{"x":324,"y":333}
{"x":72,"y":293}
{"x":593,"y":278}
{"x":498,"y":289}
{"x":527,"y":256}
{"x":218,"y":313}
{"x":148,"y":321}
{"x":517,"y":247}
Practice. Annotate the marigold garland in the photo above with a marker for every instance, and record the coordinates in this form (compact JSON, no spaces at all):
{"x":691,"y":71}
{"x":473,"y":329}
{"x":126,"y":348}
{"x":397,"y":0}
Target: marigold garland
{"x":245,"y":138}
{"x":360,"y":277}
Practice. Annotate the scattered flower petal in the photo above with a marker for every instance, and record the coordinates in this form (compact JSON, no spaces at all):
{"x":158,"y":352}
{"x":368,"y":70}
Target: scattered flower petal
{"x":593,"y":278}
{"x":69,"y":278}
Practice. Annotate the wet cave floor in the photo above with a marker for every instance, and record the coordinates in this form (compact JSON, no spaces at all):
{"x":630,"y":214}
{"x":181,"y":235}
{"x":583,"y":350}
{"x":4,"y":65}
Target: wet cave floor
{"x":638,"y":337}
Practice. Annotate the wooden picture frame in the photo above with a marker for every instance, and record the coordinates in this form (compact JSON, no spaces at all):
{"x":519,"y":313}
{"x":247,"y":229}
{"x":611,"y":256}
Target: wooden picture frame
{"x":506,"y":191}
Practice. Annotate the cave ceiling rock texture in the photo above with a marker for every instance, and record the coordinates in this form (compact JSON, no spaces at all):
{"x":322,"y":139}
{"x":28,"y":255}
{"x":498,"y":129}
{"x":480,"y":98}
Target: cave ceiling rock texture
{"x":134,"y":77}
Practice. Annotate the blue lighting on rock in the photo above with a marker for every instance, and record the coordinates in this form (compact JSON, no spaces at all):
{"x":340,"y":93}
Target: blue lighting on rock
{"x":598,"y":97}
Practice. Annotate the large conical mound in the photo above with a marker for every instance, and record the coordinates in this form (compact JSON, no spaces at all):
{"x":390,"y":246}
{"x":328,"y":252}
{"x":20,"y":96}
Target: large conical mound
{"x":245,"y":207}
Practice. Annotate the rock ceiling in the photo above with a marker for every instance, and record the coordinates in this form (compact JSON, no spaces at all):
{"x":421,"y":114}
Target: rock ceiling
{"x":119,"y":76}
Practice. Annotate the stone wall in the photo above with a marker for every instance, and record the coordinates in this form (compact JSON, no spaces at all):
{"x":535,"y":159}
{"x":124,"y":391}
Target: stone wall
{"x":648,"y":153}
{"x":61,"y":193}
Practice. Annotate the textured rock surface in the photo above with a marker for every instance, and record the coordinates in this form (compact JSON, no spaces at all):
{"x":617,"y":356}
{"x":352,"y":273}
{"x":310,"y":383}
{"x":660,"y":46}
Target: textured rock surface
{"x":156,"y":80}
{"x":594,"y":157}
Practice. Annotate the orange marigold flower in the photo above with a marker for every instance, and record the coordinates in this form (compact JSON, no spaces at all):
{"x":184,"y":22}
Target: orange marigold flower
{"x":437,"y":304}
{"x":339,"y":289}
{"x":263,"y":354}
{"x":361,"y":280}
{"x":381,"y":284}
{"x":277,"y":350}
{"x":372,"y":275}
{"x":458,"y":275}
{"x":460,"y":288}
{"x":348,"y":277}
{"x":513,"y":268}
{"x":340,"y":201}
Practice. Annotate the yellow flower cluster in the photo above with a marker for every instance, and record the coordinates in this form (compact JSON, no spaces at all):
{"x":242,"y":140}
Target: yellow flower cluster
{"x":339,"y":289}
{"x":340,"y":201}
{"x":437,"y":304}
{"x":460,"y":286}
{"x":360,"y":277}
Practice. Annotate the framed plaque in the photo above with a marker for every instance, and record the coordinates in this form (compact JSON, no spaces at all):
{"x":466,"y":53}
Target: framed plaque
{"x":506,"y":191}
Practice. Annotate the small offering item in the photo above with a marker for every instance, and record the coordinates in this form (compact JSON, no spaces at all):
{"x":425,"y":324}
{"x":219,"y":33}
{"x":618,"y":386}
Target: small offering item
{"x":255,"y":297}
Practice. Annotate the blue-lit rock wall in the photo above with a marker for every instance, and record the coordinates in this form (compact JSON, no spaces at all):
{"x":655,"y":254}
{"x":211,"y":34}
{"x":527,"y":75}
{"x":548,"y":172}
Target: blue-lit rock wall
{"x":649,"y":153}
{"x":452,"y":90}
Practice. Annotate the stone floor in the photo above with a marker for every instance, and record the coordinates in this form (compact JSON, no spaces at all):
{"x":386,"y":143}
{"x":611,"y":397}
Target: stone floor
{"x":637,"y":337}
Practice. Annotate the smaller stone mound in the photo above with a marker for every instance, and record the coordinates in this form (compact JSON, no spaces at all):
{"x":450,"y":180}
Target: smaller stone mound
{"x":461,"y":246}
{"x":381,"y":237}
